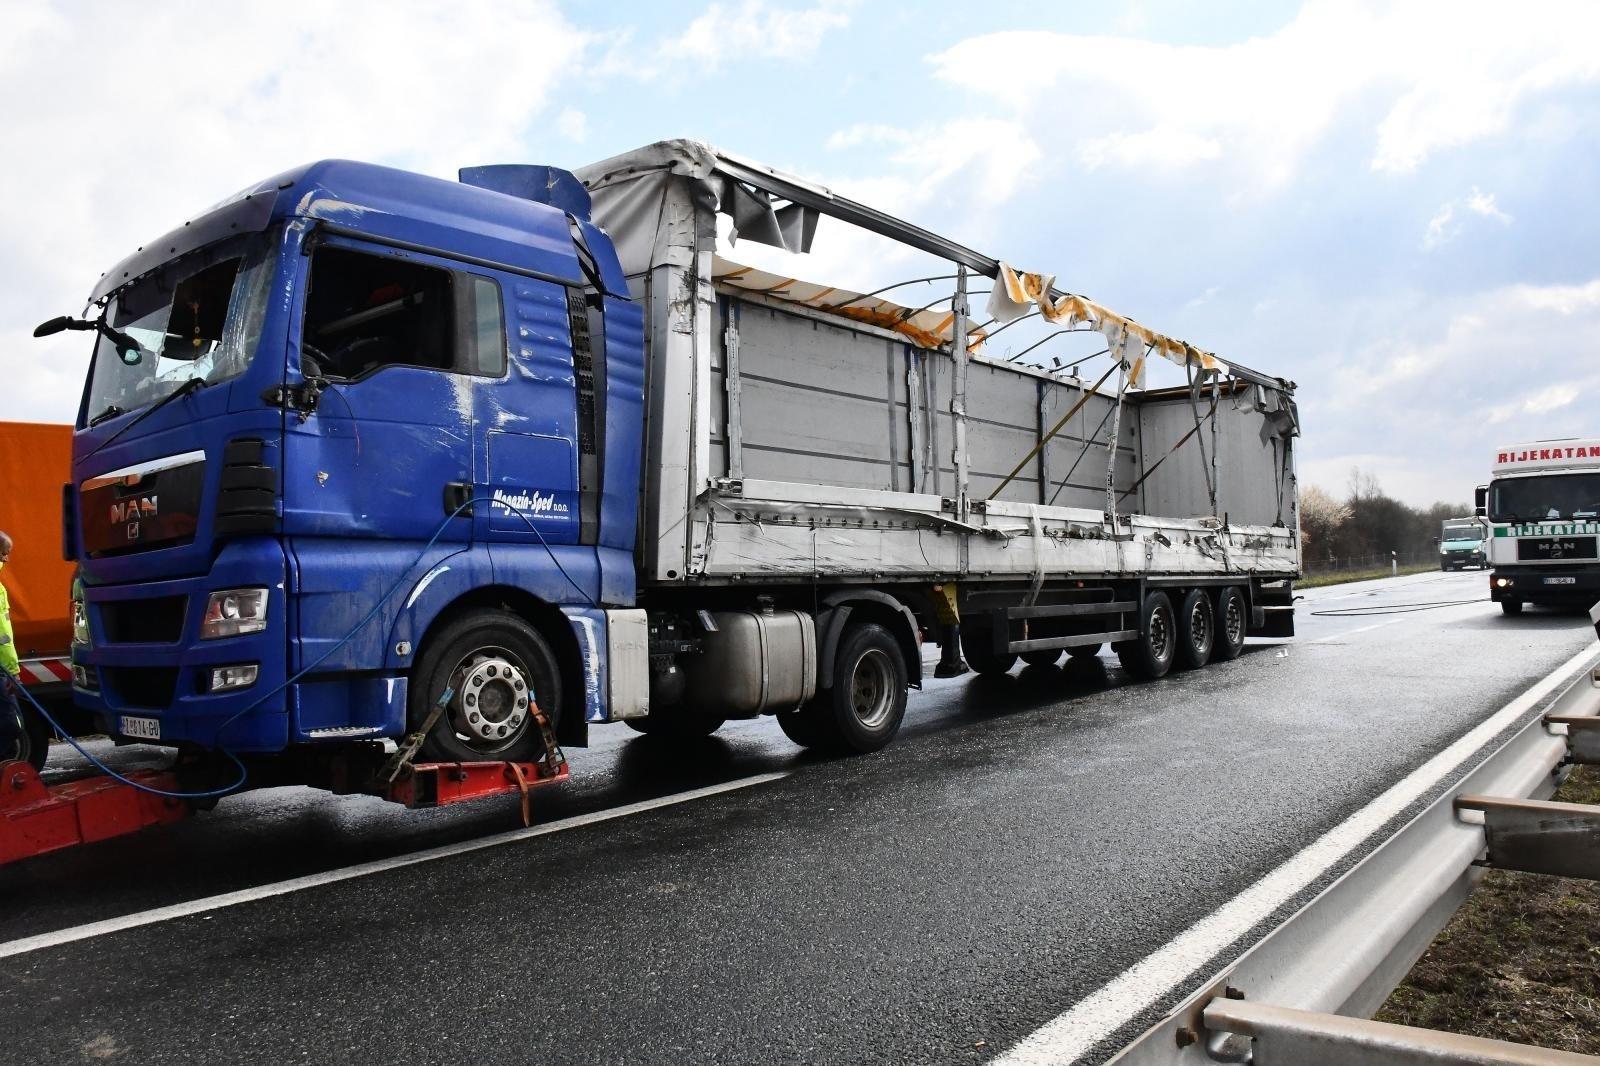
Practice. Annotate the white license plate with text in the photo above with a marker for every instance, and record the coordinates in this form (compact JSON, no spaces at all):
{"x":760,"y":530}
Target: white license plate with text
{"x":1560,"y":581}
{"x":143,"y":728}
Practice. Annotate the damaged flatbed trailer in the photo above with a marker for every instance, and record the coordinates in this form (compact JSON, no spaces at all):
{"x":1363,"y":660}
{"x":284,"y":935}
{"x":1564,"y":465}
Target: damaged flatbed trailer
{"x":369,"y":459}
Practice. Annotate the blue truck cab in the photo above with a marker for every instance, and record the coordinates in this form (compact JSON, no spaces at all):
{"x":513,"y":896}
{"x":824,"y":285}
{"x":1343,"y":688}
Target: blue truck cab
{"x":354,"y":439}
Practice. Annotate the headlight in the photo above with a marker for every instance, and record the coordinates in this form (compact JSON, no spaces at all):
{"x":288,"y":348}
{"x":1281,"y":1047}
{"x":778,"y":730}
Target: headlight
{"x":233,"y":612}
{"x":80,"y":620}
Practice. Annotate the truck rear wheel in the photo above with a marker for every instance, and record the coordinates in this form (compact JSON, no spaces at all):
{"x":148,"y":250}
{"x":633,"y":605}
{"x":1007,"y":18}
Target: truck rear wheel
{"x":499,"y":668}
{"x":862,"y":710}
{"x":1046,"y":657}
{"x":676,"y":723}
{"x":1231,"y":626}
{"x":977,"y":644}
{"x":1150,"y":654}
{"x":1197,"y":630}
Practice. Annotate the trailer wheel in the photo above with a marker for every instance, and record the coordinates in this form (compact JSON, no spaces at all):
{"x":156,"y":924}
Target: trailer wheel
{"x":977,"y":645}
{"x":499,"y":667}
{"x":1084,"y":651}
{"x":1510,"y":607}
{"x":1197,"y":630}
{"x":1231,"y":627}
{"x":862,"y":710}
{"x":1150,"y":654}
{"x":1044,"y":657}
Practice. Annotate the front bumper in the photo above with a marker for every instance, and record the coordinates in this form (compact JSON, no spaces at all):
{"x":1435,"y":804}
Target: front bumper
{"x":1532,"y":584}
{"x":1460,"y":560}
{"x":145,"y":658}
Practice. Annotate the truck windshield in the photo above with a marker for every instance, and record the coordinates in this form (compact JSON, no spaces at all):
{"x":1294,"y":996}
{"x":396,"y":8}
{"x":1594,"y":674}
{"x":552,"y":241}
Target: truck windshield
{"x":1463,"y":531}
{"x":197,"y":317}
{"x":1549,"y":497}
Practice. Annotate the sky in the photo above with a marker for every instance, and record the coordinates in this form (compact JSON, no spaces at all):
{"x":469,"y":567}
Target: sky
{"x":1391,"y":204}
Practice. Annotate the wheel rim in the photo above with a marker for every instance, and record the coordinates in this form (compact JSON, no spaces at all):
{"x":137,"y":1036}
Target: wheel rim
{"x":1235,"y":621}
{"x":872,"y":689}
{"x":1160,"y":635}
{"x":493,"y":699}
{"x":1200,"y":626}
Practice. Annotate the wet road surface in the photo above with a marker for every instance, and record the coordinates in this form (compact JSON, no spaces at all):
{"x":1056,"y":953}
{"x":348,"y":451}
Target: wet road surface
{"x":1024,"y":841}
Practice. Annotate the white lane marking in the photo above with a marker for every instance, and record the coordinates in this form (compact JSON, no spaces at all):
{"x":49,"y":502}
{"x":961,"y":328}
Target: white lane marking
{"x":247,"y":895}
{"x":1100,"y":1014}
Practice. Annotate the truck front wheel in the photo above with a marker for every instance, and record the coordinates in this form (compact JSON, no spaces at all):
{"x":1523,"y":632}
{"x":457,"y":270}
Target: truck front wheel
{"x":862,"y":710}
{"x":498,"y":669}
{"x":1509,"y":606}
{"x":33,"y":744}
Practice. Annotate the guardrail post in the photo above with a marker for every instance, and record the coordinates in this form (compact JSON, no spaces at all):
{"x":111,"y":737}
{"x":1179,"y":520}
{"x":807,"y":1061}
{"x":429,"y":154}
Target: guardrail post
{"x":1281,"y":1036}
{"x":1538,"y":836}
{"x":1583,"y":737}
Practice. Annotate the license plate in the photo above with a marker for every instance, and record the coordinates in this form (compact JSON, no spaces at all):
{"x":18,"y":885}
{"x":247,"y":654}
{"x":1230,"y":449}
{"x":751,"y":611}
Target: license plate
{"x":1560,"y":581}
{"x":143,"y":728}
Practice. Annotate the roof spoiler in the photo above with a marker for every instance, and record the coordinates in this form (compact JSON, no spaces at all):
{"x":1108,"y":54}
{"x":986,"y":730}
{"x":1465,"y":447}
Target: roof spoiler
{"x":542,"y":184}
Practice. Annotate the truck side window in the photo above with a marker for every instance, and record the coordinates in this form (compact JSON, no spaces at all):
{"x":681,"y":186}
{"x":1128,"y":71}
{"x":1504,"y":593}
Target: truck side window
{"x":365,"y":312}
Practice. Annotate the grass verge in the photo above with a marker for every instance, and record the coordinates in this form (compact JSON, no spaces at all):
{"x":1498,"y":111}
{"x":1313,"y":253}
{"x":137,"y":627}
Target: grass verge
{"x":1311,"y":581}
{"x":1519,"y":961}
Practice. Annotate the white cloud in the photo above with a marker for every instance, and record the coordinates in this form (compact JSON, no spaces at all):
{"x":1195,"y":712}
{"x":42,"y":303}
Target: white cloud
{"x":1482,"y":203}
{"x":1437,"y":77}
{"x":751,"y":30}
{"x":1445,"y":225}
{"x":120,"y":149}
{"x":1440,"y":228}
{"x":1546,"y":400}
{"x":1414,"y":403}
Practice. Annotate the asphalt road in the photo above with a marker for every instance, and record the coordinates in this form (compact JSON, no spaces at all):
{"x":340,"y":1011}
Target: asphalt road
{"x":1024,"y":841}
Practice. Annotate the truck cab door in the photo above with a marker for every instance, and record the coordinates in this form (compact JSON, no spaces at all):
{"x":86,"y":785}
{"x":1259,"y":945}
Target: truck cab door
{"x":380,"y":448}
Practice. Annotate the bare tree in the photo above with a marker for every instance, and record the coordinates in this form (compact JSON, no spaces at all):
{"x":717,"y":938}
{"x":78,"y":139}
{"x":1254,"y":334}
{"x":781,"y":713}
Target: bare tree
{"x":1320,"y":518}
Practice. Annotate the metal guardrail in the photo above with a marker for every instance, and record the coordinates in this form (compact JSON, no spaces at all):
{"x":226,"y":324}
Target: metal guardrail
{"x":1301,"y":995}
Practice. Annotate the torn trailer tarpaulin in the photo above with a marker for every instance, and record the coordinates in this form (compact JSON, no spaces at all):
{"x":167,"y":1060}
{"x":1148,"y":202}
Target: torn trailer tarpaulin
{"x":927,"y":328}
{"x":1014,"y":295}
{"x":778,"y":209}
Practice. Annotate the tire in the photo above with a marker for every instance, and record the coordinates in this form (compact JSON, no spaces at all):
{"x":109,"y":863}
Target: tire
{"x":1043,"y":657}
{"x":1197,"y":630}
{"x":471,"y":654}
{"x":1510,"y":608}
{"x":1150,"y":655}
{"x":675,"y":723}
{"x":33,"y":745}
{"x":977,"y":645}
{"x":863,"y":708}
{"x":802,"y":726}
{"x":1084,"y":651}
{"x":1232,"y":626}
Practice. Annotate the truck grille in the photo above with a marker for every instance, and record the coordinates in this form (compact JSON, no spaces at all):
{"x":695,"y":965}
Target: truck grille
{"x":144,"y":687}
{"x":158,"y":620}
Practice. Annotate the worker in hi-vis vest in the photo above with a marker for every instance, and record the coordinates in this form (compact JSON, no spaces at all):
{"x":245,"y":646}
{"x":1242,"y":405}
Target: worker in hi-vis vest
{"x":11,"y":735}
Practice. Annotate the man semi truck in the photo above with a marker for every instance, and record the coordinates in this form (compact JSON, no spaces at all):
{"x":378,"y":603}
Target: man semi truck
{"x":1543,"y":505}
{"x":364,"y":455}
